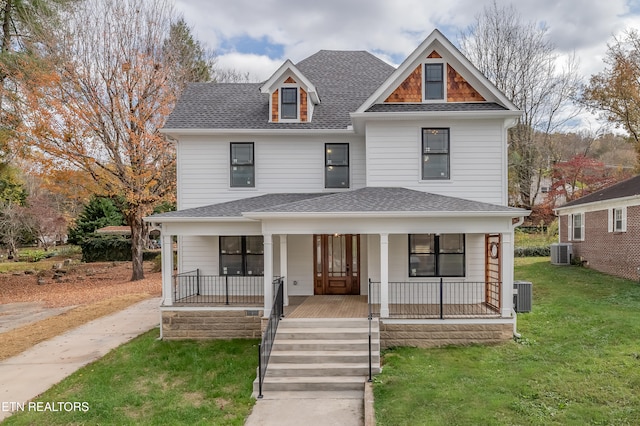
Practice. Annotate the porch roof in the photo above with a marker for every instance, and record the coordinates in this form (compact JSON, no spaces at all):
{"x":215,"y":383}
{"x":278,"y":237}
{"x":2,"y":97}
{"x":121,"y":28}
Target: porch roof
{"x":370,"y":201}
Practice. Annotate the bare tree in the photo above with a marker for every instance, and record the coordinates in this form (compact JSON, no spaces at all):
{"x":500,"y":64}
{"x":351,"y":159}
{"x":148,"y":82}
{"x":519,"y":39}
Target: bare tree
{"x":232,"y":75}
{"x":95,"y":100}
{"x":44,"y":220}
{"x":519,"y":59}
{"x":12,"y":226}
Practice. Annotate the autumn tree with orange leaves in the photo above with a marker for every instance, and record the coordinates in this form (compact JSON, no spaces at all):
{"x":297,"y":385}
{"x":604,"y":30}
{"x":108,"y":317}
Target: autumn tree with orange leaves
{"x":103,"y":85}
{"x":615,"y":92}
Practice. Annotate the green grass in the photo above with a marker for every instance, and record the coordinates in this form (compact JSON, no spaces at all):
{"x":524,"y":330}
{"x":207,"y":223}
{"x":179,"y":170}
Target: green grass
{"x":577,"y":363}
{"x":35,"y":259}
{"x":535,"y":239}
{"x":151,"y":382}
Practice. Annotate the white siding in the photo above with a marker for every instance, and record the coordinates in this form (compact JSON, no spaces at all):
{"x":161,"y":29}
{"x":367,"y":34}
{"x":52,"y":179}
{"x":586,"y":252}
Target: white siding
{"x":300,"y":264}
{"x":477,"y":149}
{"x":282,"y":164}
{"x":198,"y":253}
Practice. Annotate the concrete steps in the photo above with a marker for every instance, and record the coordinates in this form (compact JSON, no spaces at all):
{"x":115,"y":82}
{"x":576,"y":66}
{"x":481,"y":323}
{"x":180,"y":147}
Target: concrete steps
{"x":317,"y":355}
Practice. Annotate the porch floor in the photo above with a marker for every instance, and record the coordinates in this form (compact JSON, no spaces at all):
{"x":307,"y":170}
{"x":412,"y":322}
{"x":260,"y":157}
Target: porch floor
{"x":327,"y":307}
{"x":357,"y":307}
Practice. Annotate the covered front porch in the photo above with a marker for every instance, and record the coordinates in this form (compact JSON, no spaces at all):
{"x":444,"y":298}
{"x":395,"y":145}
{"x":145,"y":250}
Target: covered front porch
{"x":403,"y":254}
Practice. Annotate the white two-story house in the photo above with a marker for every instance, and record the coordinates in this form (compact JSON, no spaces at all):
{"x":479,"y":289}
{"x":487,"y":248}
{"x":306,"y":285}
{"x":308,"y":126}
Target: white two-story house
{"x":346,"y":177}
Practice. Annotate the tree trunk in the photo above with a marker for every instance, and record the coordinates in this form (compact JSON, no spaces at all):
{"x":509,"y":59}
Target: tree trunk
{"x":137,"y":226}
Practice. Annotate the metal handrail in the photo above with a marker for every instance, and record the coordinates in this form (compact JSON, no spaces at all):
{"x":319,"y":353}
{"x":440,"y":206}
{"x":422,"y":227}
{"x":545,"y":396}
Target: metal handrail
{"x":370,"y":319}
{"x":264,"y":348}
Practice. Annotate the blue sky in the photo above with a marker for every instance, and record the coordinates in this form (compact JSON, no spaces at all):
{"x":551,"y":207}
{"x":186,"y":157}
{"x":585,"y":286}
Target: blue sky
{"x":257,"y":36}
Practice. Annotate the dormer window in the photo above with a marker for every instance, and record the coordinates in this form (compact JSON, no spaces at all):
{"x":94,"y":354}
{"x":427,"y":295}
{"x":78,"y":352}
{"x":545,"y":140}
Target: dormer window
{"x":289,"y":103}
{"x":434,"y":81}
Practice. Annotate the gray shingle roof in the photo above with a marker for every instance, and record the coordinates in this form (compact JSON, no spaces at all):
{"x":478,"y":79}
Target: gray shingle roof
{"x":369,"y":200}
{"x":437,"y":107}
{"x":344,"y":80}
{"x":384,"y":199}
{"x":626,"y":188}
{"x":237,"y":207}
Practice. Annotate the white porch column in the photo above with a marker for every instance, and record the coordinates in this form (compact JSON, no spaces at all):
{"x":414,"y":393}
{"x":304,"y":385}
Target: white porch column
{"x":507,"y":273}
{"x":283,"y":268}
{"x":167,"y":270}
{"x":384,"y":275}
{"x":268,"y":274}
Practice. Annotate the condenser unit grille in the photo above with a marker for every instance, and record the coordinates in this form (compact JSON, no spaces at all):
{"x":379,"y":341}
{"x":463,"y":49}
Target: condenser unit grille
{"x":522,"y":296}
{"x":561,"y":253}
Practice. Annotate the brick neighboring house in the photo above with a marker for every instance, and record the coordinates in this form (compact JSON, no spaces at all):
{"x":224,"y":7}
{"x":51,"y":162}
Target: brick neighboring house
{"x":604,"y":228}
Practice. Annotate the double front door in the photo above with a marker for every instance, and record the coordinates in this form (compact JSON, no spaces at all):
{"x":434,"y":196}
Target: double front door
{"x":337,"y":264}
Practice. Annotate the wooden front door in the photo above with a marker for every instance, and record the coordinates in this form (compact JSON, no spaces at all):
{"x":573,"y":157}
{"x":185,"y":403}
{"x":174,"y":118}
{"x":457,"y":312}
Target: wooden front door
{"x":337,"y":264}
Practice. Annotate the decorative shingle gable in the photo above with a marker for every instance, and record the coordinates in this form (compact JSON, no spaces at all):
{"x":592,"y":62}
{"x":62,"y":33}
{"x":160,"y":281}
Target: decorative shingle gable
{"x":274,"y":106}
{"x":458,"y":89}
{"x":410,"y":90}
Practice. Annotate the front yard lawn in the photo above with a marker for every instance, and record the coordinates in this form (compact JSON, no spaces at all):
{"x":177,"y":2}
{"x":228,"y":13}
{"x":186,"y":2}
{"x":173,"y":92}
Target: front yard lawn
{"x":577,"y":362}
{"x":156,"y":382}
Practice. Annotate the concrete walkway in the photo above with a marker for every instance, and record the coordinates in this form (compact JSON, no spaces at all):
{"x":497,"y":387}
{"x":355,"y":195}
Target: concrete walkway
{"x":32,"y":372}
{"x":339,"y":408}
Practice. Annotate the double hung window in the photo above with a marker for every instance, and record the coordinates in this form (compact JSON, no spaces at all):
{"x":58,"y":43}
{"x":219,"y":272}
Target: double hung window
{"x":289,"y":103}
{"x":242,"y":165}
{"x":241,"y":255}
{"x":577,"y":227}
{"x":435,"y":154}
{"x":618,"y":219}
{"x":336,"y":170}
{"x":433,"y":82}
{"x":436,"y":255}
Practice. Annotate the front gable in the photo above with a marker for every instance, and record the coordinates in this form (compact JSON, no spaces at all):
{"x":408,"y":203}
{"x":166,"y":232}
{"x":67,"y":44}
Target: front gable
{"x":436,"y":72}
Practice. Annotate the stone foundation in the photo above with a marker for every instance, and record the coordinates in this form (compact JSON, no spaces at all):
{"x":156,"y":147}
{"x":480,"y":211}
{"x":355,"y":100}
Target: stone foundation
{"x":208,"y":324}
{"x":434,"y":335}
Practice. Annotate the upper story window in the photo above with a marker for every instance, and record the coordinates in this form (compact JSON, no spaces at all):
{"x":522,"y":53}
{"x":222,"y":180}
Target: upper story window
{"x":435,"y":154}
{"x":436,"y":255}
{"x":289,"y":103}
{"x":242,"y":255}
{"x":576,"y":227}
{"x":242,"y":165}
{"x":434,"y":81}
{"x":336,"y":170}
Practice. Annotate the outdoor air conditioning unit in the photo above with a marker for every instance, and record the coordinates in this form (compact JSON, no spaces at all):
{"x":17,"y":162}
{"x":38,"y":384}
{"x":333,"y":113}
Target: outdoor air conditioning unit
{"x":522,"y":296}
{"x":561,"y":253}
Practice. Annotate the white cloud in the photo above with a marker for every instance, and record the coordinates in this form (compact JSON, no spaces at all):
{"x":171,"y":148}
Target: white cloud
{"x":391,"y":29}
{"x":259,"y":67}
